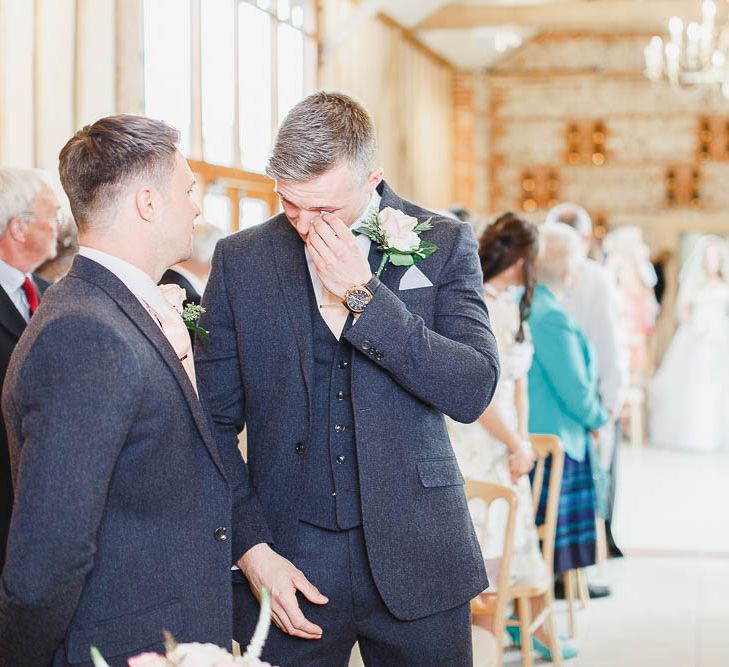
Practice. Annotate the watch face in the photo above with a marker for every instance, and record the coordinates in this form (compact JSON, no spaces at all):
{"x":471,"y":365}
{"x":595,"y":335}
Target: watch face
{"x":357,"y":299}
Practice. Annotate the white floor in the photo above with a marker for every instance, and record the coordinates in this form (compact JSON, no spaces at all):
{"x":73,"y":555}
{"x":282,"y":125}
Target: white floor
{"x":670,"y":502}
{"x":670,"y":602}
{"x":665,"y":612}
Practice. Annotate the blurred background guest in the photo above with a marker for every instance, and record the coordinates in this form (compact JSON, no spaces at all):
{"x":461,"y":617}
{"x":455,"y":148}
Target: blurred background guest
{"x":192,"y":274}
{"x":29,"y":219}
{"x":496,"y":448}
{"x":690,"y":392}
{"x":53,"y":269}
{"x":593,"y":301}
{"x":628,"y":259}
{"x":563,"y":395}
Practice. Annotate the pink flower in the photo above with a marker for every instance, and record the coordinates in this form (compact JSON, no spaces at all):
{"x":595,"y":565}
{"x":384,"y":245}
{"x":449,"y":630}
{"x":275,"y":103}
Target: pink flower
{"x":398,"y":229}
{"x":174,"y":295}
{"x":148,"y":660}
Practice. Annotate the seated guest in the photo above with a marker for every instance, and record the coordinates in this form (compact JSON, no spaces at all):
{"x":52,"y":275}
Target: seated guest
{"x":563,"y":396}
{"x":192,"y":274}
{"x":496,"y":448}
{"x":29,"y":219}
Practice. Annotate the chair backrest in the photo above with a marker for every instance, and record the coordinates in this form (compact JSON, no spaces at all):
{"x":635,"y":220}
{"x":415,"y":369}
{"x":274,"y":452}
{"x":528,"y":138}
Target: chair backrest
{"x":545,"y":446}
{"x":488,"y":493}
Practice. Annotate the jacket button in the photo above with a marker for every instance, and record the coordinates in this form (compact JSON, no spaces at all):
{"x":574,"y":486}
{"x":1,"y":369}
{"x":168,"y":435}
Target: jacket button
{"x":339,"y":428}
{"x":366,"y":345}
{"x":343,"y":364}
{"x":379,"y":356}
{"x":341,"y":395}
{"x":372,"y":351}
{"x":341,"y":459}
{"x":300,"y":448}
{"x":221,"y":534}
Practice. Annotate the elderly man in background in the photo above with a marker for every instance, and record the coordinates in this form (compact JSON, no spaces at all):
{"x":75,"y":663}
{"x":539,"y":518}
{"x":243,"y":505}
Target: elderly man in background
{"x":593,"y":301}
{"x":29,"y":219}
{"x":192,"y":274}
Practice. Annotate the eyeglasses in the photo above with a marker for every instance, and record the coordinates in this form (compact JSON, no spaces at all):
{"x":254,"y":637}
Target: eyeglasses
{"x":59,"y":218}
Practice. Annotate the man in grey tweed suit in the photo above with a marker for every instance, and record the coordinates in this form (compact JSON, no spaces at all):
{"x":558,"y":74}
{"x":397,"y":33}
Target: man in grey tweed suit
{"x":358,"y":520}
{"x":122,"y":525}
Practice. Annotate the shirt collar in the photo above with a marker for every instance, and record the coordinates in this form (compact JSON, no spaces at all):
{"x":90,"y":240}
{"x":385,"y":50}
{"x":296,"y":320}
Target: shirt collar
{"x":11,"y":279}
{"x":136,"y":281}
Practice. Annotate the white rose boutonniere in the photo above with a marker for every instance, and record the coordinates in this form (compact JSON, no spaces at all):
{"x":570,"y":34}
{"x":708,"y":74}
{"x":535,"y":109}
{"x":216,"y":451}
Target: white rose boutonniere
{"x":175,"y":296}
{"x":397,"y":235}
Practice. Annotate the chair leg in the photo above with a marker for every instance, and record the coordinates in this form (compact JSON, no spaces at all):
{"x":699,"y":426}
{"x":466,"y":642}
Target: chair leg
{"x":525,"y":622}
{"x":550,"y":626}
{"x":569,"y":594}
{"x":584,"y":593}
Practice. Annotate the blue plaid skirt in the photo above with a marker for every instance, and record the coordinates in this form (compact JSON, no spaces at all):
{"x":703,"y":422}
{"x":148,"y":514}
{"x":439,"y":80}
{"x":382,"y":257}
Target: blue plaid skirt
{"x":575,"y":540}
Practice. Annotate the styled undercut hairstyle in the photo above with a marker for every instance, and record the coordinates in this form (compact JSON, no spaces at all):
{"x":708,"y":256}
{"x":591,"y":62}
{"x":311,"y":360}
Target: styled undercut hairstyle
{"x":100,"y":160}
{"x":321,"y":131}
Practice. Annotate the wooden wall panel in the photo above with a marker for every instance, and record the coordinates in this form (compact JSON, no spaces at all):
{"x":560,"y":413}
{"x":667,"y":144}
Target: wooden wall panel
{"x":410,"y":96}
{"x":17,"y":27}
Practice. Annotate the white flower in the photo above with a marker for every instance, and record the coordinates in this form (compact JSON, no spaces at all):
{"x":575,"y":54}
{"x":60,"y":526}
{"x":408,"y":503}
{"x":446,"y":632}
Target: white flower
{"x":198,"y":655}
{"x":174,"y":295}
{"x":398,"y":229}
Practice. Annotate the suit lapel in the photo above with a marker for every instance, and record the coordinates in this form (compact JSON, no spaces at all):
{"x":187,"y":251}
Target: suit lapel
{"x":290,"y":259}
{"x":10,"y":317}
{"x":93,"y":272}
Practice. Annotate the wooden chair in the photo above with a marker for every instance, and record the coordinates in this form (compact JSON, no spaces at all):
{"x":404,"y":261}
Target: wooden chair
{"x":544,"y":447}
{"x":494,"y":603}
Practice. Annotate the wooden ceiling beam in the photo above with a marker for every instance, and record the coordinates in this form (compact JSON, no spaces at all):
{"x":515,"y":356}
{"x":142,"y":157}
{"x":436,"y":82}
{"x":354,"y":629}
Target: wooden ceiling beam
{"x":598,"y":15}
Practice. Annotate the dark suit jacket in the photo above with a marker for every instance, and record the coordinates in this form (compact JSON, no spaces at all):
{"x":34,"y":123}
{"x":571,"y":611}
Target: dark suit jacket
{"x":120,"y":495}
{"x":12,"y":326}
{"x":419,"y":353}
{"x":172,"y":277}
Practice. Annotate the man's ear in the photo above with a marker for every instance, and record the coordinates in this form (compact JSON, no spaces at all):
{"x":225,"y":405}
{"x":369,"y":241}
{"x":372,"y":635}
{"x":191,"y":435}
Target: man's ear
{"x":376,"y":175}
{"x":16,"y":230}
{"x":146,"y":202}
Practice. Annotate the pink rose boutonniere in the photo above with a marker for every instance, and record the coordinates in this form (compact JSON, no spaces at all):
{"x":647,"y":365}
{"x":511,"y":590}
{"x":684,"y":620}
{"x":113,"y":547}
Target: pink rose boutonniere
{"x":190,"y":314}
{"x":397,"y":235}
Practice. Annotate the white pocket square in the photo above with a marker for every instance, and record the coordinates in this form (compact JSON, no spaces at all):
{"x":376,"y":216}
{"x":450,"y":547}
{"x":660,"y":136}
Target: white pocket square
{"x":414,"y":278}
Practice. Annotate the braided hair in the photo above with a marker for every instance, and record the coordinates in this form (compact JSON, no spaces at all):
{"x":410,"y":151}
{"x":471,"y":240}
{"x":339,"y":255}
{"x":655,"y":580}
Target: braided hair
{"x":503,"y":243}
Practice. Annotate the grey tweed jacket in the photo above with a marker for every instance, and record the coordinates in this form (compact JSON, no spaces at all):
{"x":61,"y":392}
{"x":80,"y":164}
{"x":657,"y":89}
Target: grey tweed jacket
{"x":121,"y":498}
{"x":420,"y":354}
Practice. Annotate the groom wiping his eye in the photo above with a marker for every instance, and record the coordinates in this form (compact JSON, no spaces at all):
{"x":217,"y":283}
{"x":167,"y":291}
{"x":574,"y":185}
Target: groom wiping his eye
{"x":340,"y":356}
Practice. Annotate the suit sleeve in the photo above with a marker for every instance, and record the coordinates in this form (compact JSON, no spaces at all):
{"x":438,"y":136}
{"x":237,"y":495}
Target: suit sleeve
{"x":454,"y":366}
{"x":219,"y":380}
{"x":71,"y":407}
{"x":570,"y":371}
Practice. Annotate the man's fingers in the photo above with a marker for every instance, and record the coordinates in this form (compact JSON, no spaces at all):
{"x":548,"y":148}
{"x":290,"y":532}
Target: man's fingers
{"x":337,"y":226}
{"x":316,"y":241}
{"x":300,"y":625}
{"x":310,"y":592}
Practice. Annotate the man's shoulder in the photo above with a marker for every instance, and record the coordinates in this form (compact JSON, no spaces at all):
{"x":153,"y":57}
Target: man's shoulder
{"x":252,"y":237}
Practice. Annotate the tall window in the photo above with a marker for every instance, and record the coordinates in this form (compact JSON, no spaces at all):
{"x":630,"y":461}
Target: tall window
{"x":225,"y":73}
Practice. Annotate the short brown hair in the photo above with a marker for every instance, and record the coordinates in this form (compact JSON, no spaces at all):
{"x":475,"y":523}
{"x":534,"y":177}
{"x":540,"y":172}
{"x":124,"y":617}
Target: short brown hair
{"x":320,"y":131}
{"x":101,"y":158}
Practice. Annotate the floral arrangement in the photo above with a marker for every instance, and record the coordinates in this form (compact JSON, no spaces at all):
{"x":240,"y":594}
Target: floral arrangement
{"x":190,"y":314}
{"x":203,"y":655}
{"x":397,"y":235}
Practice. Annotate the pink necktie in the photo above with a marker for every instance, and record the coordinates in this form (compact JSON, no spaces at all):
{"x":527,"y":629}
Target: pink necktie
{"x":176,"y":332}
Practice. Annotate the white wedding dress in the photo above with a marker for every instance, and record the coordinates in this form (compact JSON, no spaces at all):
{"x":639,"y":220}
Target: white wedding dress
{"x":689,"y":395}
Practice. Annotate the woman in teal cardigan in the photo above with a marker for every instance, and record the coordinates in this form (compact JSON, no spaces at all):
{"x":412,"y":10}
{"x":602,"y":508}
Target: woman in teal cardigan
{"x":563,"y":397}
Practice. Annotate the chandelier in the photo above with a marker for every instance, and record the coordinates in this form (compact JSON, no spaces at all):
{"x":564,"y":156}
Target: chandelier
{"x":692,"y":57}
